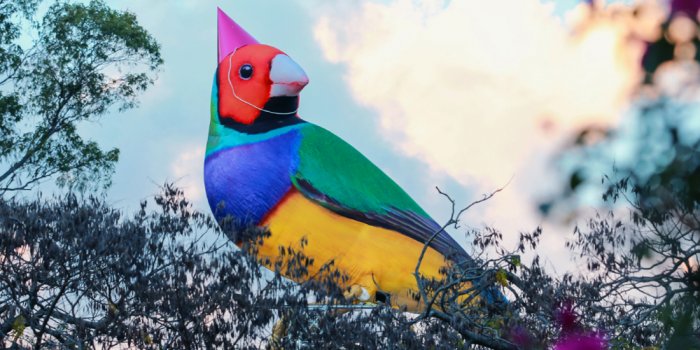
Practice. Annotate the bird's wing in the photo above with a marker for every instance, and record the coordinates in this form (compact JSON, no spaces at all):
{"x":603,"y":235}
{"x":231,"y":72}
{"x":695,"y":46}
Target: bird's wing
{"x":335,"y":175}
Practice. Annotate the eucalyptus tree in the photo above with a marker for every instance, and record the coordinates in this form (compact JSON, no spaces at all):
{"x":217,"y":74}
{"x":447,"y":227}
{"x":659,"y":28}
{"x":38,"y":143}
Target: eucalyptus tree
{"x":78,"y":62}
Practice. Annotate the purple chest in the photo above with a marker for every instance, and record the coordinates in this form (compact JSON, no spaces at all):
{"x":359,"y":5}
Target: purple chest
{"x":248,"y":181}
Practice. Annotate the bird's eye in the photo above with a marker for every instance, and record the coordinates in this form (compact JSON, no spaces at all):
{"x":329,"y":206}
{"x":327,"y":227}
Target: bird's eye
{"x":246,"y":71}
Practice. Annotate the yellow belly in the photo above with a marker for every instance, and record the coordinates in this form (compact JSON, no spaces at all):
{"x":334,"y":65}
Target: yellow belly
{"x":373,"y":257}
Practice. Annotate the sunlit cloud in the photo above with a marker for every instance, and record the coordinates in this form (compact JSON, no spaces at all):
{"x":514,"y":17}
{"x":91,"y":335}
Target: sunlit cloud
{"x":485,"y":91}
{"x":187,"y":173}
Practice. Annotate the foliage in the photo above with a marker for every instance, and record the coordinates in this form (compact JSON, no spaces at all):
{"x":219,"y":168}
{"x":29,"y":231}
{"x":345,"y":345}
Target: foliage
{"x":86,"y":60}
{"x":645,"y":267}
{"x":75,"y":273}
{"x":82,"y":275}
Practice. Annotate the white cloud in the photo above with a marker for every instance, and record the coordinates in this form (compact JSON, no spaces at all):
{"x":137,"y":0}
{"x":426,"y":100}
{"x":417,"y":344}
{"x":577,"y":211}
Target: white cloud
{"x":187,"y":170}
{"x":482,"y":90}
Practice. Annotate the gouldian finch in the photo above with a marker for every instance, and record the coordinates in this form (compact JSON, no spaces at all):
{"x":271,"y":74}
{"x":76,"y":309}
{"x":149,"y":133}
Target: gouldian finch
{"x":266,"y":166}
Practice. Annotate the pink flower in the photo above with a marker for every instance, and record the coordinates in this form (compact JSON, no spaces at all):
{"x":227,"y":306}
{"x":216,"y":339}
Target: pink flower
{"x":689,"y":7}
{"x":567,"y":318}
{"x":521,"y":337}
{"x":590,"y":341}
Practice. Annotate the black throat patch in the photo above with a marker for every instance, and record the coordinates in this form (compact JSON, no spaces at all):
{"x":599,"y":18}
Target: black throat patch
{"x":267,"y":121}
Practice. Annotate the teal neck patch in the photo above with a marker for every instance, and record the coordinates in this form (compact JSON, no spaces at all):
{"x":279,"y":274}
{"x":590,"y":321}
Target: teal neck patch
{"x":221,"y":137}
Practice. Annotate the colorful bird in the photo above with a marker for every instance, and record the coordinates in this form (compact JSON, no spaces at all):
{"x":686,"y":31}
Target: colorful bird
{"x":266,"y":166}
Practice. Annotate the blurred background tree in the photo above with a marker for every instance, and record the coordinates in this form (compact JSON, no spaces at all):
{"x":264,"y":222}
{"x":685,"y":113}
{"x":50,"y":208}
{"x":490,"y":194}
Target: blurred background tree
{"x":649,"y":165}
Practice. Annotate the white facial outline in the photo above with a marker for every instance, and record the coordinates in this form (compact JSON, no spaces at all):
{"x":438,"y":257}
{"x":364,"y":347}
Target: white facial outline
{"x":230,"y":83}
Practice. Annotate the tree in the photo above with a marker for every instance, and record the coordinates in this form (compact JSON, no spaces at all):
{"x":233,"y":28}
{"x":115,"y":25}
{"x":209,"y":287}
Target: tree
{"x":75,"y":273}
{"x":86,"y":61}
{"x":78,"y":274}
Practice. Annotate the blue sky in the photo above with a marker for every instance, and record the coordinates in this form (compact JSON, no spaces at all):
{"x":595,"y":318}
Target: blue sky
{"x":173,"y":115}
{"x":164,"y":138}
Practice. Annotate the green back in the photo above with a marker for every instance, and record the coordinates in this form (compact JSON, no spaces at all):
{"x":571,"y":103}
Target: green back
{"x":343,"y":177}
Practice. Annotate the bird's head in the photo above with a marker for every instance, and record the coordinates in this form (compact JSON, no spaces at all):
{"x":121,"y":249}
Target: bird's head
{"x":256,"y":82}
{"x":258,"y":79}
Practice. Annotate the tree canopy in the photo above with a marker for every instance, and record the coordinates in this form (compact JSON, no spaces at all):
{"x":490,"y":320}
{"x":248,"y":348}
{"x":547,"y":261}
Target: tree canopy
{"x":86,"y":60}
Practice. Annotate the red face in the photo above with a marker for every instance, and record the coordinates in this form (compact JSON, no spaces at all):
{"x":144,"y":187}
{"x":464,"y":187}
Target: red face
{"x":253,"y":75}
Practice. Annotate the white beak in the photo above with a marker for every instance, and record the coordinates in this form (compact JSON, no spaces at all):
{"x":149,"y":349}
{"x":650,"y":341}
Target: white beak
{"x":287,"y":77}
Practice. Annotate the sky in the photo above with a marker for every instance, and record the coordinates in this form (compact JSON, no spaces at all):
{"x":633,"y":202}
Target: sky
{"x":465,"y":95}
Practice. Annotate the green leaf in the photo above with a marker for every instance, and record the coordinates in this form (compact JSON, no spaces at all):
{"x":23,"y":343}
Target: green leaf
{"x":515,"y":260}
{"x":502,"y":277}
{"x":18,"y":326}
